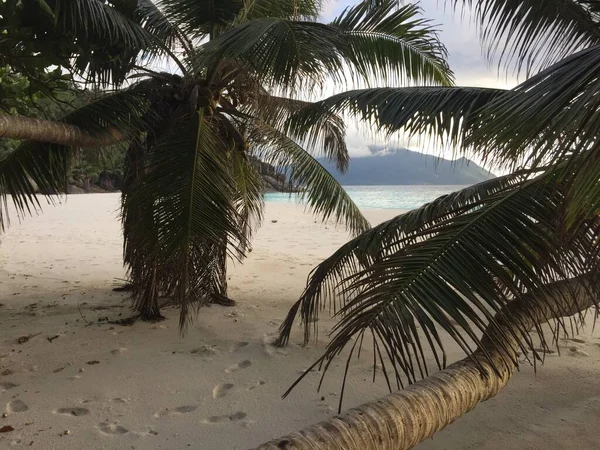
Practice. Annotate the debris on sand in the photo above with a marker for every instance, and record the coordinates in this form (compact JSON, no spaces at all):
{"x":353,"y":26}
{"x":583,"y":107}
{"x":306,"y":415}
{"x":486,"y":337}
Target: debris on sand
{"x":27,"y":338}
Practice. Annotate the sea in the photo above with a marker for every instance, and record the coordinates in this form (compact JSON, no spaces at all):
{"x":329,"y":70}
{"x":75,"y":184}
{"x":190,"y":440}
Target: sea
{"x":381,"y":197}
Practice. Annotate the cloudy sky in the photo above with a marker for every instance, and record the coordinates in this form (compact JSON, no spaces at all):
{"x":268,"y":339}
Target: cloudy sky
{"x":459,"y":34}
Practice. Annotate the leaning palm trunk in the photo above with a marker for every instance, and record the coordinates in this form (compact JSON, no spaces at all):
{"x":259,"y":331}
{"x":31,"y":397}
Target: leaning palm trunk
{"x":405,"y":418}
{"x":27,"y":128}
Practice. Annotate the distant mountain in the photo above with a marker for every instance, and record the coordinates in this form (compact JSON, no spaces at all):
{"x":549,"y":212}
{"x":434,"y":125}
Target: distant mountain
{"x":398,"y":166}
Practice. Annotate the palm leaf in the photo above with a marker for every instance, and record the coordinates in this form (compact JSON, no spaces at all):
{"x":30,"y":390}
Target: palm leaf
{"x":455,"y":275}
{"x":292,"y":54}
{"x":31,"y":168}
{"x":97,"y":19}
{"x":445,"y":113}
{"x":535,"y":34}
{"x":97,"y":40}
{"x":329,"y":277}
{"x":326,"y":136}
{"x":153,"y":20}
{"x":249,"y":196}
{"x":323,"y":194}
{"x":583,"y":187}
{"x":279,"y":51}
{"x":393,"y":43}
{"x":284,"y":9}
{"x":557,"y":106}
{"x":198,"y":17}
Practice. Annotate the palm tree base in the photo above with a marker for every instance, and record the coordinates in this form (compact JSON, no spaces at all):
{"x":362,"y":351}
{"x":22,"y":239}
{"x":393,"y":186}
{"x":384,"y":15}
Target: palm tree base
{"x":151,"y":316}
{"x":223,"y":300}
{"x":150,"y":312}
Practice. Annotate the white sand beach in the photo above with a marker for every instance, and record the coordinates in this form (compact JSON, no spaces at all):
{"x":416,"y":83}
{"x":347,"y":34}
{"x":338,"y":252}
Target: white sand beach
{"x":82,"y":383}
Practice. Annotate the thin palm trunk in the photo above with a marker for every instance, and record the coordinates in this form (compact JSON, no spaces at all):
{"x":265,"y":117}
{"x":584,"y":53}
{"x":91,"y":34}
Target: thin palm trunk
{"x":405,"y":418}
{"x":27,"y":128}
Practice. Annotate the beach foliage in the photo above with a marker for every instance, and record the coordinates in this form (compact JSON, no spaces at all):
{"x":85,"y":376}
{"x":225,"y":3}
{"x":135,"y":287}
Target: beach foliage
{"x":196,"y":91}
{"x":457,"y":266}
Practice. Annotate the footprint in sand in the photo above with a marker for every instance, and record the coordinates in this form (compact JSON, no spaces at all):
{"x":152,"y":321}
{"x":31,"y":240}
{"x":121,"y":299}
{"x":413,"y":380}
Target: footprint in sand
{"x":239,"y":366}
{"x":545,"y":351}
{"x":162,"y":413}
{"x":6,"y":385}
{"x":185,"y":409}
{"x":16,"y":406}
{"x":72,"y":411}
{"x":178,"y":410}
{"x":574,"y":351}
{"x":221,"y":390}
{"x":235,"y":417}
{"x":251,"y":387}
{"x":112,"y":428}
{"x":118,"y":351}
{"x":205,"y":350}
{"x":238,"y":345}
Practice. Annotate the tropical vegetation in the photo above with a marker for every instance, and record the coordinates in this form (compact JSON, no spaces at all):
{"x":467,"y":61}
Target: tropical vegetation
{"x":195,"y":91}
{"x":484,"y":266}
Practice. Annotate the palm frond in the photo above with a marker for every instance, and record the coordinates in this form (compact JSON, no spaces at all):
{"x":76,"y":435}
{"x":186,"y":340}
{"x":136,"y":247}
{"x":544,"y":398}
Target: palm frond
{"x":154,"y":20}
{"x":552,"y":114}
{"x":140,"y":234}
{"x":445,"y":113}
{"x":284,"y":9}
{"x":453,"y":275}
{"x":326,"y":136}
{"x":534,"y":34}
{"x":329,"y":276}
{"x":99,"y":41}
{"x":393,"y":43}
{"x":278,"y":51}
{"x":32,"y":167}
{"x":198,"y":17}
{"x":249,"y":195}
{"x":583,"y":187}
{"x":323,"y":194}
{"x":364,"y":43}
{"x":98,"y":19}
{"x":95,"y":39}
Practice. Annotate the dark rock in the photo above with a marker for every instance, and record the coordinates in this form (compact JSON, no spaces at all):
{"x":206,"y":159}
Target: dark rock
{"x":72,"y":189}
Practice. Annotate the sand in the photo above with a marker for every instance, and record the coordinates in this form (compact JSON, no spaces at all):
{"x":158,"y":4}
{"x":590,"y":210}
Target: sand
{"x":79,"y":382}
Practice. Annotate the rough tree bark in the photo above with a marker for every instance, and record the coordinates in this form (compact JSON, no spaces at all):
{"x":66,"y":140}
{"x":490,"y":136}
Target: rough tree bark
{"x":20,"y":127}
{"x":405,"y":418}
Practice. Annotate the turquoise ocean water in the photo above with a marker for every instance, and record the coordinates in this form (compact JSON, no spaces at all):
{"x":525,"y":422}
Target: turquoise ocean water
{"x":384,"y":197}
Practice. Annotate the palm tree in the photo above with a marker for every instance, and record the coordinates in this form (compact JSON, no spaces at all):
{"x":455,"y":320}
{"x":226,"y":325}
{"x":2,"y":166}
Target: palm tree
{"x":486,"y":265}
{"x":192,"y":196}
